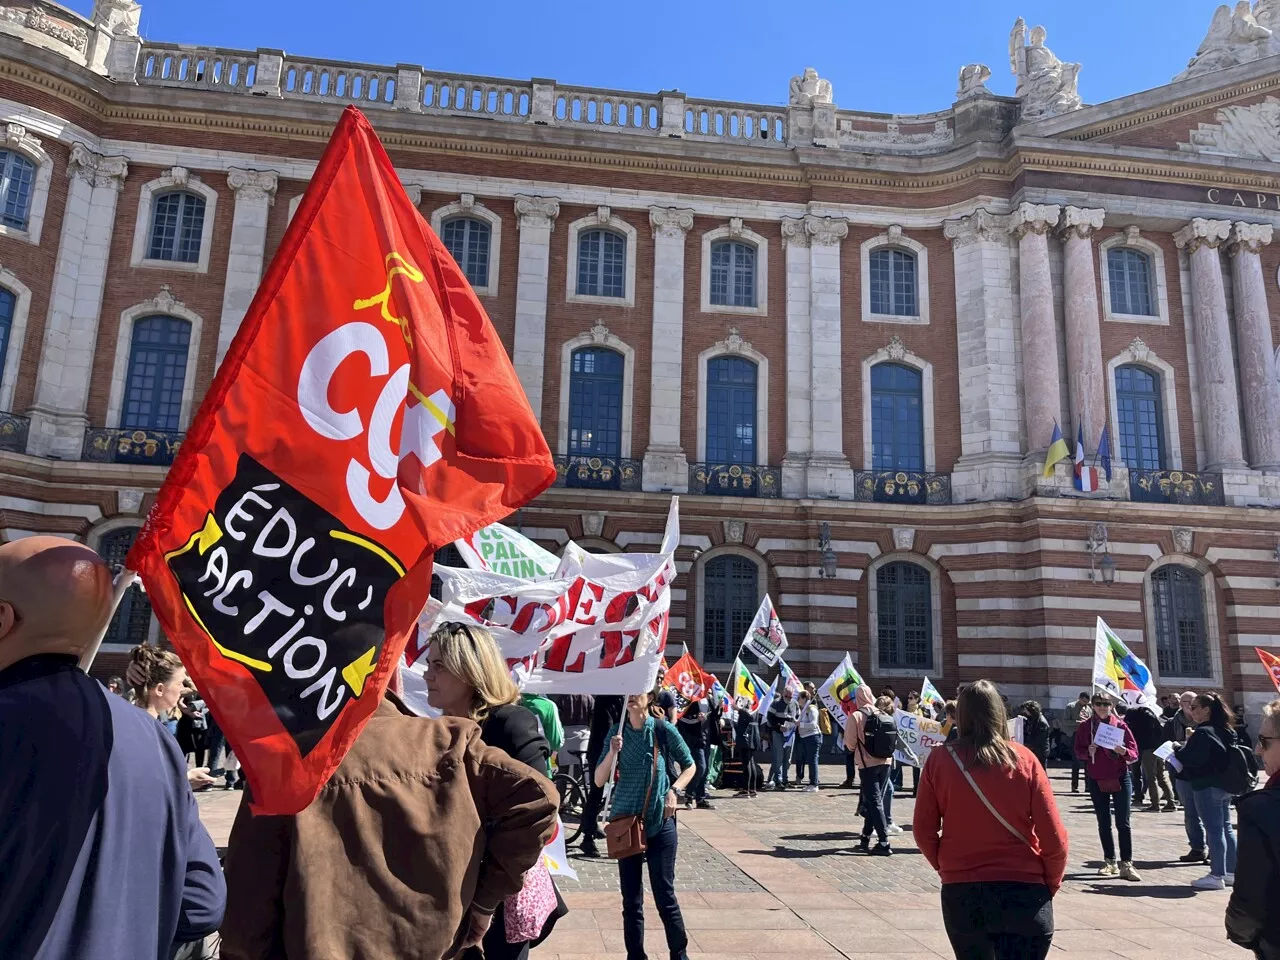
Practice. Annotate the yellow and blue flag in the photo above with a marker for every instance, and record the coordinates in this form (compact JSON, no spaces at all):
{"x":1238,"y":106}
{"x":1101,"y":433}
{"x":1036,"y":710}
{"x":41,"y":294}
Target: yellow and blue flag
{"x":743,"y":684}
{"x":1057,"y":450}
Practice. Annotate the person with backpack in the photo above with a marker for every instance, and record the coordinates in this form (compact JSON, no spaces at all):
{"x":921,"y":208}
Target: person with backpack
{"x":871,"y":737}
{"x":1109,"y":784}
{"x":1148,"y":731}
{"x":986,"y":820}
{"x":1252,"y":918}
{"x":1205,"y":761}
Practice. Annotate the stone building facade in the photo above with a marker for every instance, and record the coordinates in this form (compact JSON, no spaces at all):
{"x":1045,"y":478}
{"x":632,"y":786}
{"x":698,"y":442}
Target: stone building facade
{"x":843,"y":338}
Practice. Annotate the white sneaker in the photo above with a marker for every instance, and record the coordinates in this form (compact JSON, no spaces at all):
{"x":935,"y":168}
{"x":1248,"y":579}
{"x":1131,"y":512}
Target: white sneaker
{"x":1109,"y":869}
{"x":1209,"y":883}
{"x":893,"y":828}
{"x":1229,"y":880}
{"x":810,"y":789}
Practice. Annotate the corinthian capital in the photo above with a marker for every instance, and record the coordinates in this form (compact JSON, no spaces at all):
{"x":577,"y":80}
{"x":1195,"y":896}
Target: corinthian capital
{"x":95,"y":169}
{"x":826,"y":231}
{"x":980,"y":225}
{"x":536,"y":211}
{"x":670,"y":222}
{"x":1037,"y":218}
{"x":253,"y":184}
{"x":1081,"y":222}
{"x":1248,"y":238}
{"x":1202,"y":233}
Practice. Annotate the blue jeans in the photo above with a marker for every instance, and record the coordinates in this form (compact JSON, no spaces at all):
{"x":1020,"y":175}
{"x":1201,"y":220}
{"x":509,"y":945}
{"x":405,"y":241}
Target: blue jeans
{"x":808,"y":751}
{"x":1190,"y":816}
{"x":698,"y":785}
{"x":661,"y":856}
{"x":888,"y":795}
{"x":781,"y":759}
{"x":214,"y":741}
{"x":1102,"y":806}
{"x":1214,"y":806}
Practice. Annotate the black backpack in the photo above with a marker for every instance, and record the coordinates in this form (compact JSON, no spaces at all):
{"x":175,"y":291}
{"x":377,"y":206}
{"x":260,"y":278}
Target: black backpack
{"x":1241,"y":775}
{"x":880,"y":735}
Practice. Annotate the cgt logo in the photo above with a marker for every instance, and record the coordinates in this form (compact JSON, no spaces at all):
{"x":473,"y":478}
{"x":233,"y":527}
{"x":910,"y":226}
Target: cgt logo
{"x":425,"y":418}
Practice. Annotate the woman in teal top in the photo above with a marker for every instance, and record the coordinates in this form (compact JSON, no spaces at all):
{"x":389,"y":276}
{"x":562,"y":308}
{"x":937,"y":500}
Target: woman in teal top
{"x":631,"y":744}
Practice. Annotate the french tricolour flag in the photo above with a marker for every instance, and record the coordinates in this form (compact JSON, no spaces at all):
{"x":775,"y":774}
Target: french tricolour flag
{"x":1086,"y":479}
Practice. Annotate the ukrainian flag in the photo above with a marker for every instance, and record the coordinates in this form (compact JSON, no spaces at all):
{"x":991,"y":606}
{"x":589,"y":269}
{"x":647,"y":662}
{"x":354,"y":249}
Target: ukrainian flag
{"x":1057,"y":450}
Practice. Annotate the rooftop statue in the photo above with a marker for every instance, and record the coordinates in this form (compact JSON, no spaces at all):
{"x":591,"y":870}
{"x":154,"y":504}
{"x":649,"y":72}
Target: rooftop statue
{"x":1046,"y":85}
{"x":809,"y":88}
{"x":1236,"y":36}
{"x":973,"y":81}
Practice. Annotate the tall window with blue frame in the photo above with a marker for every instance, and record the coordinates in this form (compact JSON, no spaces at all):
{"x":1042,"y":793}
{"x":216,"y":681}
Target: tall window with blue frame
{"x":17,"y":179}
{"x":1182,"y":644}
{"x":7,"y":303}
{"x":1139,"y":410}
{"x":1129,"y":276}
{"x":731,"y":411}
{"x":897,"y":418}
{"x":602,"y":264}
{"x":730,"y":598}
{"x":177,"y":226}
{"x":733,"y":274}
{"x":595,"y":412}
{"x":132,"y":620}
{"x":904,"y":616}
{"x":157,"y":372}
{"x":893,"y":283}
{"x":467,"y":241}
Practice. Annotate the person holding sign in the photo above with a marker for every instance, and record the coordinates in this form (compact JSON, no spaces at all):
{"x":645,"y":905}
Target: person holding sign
{"x":1106,"y":745}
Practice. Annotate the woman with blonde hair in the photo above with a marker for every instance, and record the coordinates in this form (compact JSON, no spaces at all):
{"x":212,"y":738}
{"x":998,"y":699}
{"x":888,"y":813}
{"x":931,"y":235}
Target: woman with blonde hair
{"x":159,"y":679}
{"x":466,"y":676}
{"x":986,"y":820}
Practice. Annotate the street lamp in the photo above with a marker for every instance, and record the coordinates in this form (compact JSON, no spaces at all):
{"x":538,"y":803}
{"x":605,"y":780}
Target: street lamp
{"x":829,"y":563}
{"x":1096,"y":545}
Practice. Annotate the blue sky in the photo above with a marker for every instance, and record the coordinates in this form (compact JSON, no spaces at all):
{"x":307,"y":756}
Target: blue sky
{"x":891,"y":57}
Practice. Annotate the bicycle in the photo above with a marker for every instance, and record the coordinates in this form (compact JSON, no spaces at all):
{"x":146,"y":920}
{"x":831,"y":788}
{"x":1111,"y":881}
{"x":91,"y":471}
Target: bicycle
{"x":573,"y":797}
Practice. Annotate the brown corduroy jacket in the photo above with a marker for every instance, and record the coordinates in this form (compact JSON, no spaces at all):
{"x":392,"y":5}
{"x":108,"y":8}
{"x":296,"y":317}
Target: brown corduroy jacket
{"x":420,"y":822}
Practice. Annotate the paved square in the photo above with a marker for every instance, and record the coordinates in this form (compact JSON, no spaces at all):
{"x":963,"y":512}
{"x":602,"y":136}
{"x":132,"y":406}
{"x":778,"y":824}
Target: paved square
{"x":778,"y":875}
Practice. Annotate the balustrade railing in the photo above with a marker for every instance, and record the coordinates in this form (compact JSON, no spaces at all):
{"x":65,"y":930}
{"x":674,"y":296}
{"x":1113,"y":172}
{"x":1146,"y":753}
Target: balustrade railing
{"x":203,"y":68}
{"x":735,"y":480}
{"x":735,"y":122}
{"x":902,"y":486}
{"x":1176,"y":486}
{"x":13,"y":432}
{"x":478,"y":96}
{"x":337,"y":82}
{"x":598,"y":473}
{"x":144,"y":447}
{"x":585,"y":107}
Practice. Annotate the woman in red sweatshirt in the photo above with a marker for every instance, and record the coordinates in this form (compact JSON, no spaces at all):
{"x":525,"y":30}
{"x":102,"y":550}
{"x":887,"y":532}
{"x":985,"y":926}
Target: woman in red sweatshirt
{"x":1110,"y":784}
{"x":986,"y":820}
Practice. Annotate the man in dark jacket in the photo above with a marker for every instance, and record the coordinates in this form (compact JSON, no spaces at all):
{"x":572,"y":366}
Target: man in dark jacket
{"x":1149,"y":732}
{"x":102,"y":853}
{"x":699,"y":730}
{"x":1253,"y":920}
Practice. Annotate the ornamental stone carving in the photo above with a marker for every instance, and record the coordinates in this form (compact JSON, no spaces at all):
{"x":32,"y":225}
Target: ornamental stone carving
{"x":411,"y":190}
{"x":129,"y":499}
{"x":809,"y":88}
{"x":120,"y":17}
{"x":35,"y":18}
{"x":1251,"y":132}
{"x":599,"y":333}
{"x":896,"y":350}
{"x":892,"y":140}
{"x":735,"y":227}
{"x":795,"y":231}
{"x":536,"y":211}
{"x":826,"y":231}
{"x":1237,"y":36}
{"x":1036,"y":218}
{"x":1046,"y":85}
{"x":734,"y":343}
{"x":467,"y":202}
{"x":904,"y":538}
{"x":734,"y":531}
{"x":256,"y":184}
{"x":1139,"y":350}
{"x":165,"y":301}
{"x":1080,"y":222}
{"x":1183,"y":539}
{"x":603,"y":214}
{"x":980,"y":225}
{"x":95,"y":169}
{"x":1248,"y":238}
{"x":593,"y":524}
{"x":1201,"y":232}
{"x":672,"y":222}
{"x":973,"y":81}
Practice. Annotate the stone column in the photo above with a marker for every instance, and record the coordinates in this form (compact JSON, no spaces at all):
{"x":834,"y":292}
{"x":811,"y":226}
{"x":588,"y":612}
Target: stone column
{"x":795,"y":240}
{"x":535,"y":218}
{"x":990,"y":463}
{"x":1041,"y":381}
{"x":1086,"y":379}
{"x":1215,"y":375}
{"x":1255,"y":347}
{"x":58,"y":417}
{"x":665,"y":465}
{"x":829,"y":473}
{"x":255,"y":192}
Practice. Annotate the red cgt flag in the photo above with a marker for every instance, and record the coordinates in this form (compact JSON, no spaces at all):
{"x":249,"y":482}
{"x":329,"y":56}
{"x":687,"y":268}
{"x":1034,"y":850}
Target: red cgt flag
{"x":366,"y":414}
{"x":1272,"y":663}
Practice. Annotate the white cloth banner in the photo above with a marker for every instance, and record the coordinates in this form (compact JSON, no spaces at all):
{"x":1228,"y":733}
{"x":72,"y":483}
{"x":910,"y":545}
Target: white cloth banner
{"x":920,"y":735}
{"x":500,"y":549}
{"x":598,"y":626}
{"x":765,"y":637}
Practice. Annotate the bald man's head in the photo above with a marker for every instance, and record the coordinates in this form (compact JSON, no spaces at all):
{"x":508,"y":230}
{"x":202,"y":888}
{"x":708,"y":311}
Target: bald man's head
{"x":55,"y":596}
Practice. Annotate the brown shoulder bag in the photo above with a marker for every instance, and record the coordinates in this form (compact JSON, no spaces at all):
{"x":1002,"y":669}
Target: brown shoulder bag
{"x":624,"y":836}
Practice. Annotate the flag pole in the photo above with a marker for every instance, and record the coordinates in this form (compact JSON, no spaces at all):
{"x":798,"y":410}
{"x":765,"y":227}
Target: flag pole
{"x":123,"y":581}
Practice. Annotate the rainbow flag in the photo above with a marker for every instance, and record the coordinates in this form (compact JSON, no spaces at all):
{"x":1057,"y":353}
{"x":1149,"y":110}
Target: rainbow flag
{"x":743,"y":684}
{"x":1118,"y":671}
{"x":929,"y":694}
{"x":789,"y":680}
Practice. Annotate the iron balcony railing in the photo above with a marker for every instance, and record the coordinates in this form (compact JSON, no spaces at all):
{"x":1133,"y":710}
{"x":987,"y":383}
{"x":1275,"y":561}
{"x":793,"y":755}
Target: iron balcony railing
{"x":146,"y":447}
{"x":735,"y":480}
{"x":903,"y":486}
{"x":598,"y":473}
{"x":13,"y":432}
{"x":1176,"y":486}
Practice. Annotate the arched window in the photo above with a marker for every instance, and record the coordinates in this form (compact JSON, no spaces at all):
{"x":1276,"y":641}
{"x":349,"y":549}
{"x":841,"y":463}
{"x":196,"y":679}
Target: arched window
{"x":1129,"y":272}
{"x":177,"y":221}
{"x":132,"y":620}
{"x":446,"y":556}
{"x":893,"y":283}
{"x":731,"y":411}
{"x":157,"y":371}
{"x":602,"y":264}
{"x":904,"y":616}
{"x":17,"y":178}
{"x":897,"y":418}
{"x":730,"y":599}
{"x":7,"y":303}
{"x":467,"y":240}
{"x":595,"y":403}
{"x":1141,"y":418}
{"x":1182,"y":646}
{"x":733,"y":274}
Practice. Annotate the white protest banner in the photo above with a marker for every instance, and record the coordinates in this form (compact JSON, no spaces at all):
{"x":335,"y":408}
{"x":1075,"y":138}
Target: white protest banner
{"x":765,"y":637}
{"x":1108,"y":737}
{"x":920,"y":735}
{"x":598,"y":627}
{"x":837,"y":691}
{"x":1017,"y":729}
{"x":500,"y":549}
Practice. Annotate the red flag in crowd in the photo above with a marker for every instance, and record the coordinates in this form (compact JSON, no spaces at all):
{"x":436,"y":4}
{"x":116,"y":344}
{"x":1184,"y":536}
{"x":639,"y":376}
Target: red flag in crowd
{"x":1272,"y":663}
{"x":688,"y":681}
{"x":366,"y":414}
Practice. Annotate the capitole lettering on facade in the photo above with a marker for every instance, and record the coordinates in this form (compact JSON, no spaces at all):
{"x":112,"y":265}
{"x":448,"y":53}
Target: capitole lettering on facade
{"x":1249,"y":199}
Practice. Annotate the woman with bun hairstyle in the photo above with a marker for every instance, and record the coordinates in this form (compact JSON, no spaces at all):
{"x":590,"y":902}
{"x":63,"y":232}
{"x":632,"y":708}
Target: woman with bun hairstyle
{"x":158,"y":678}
